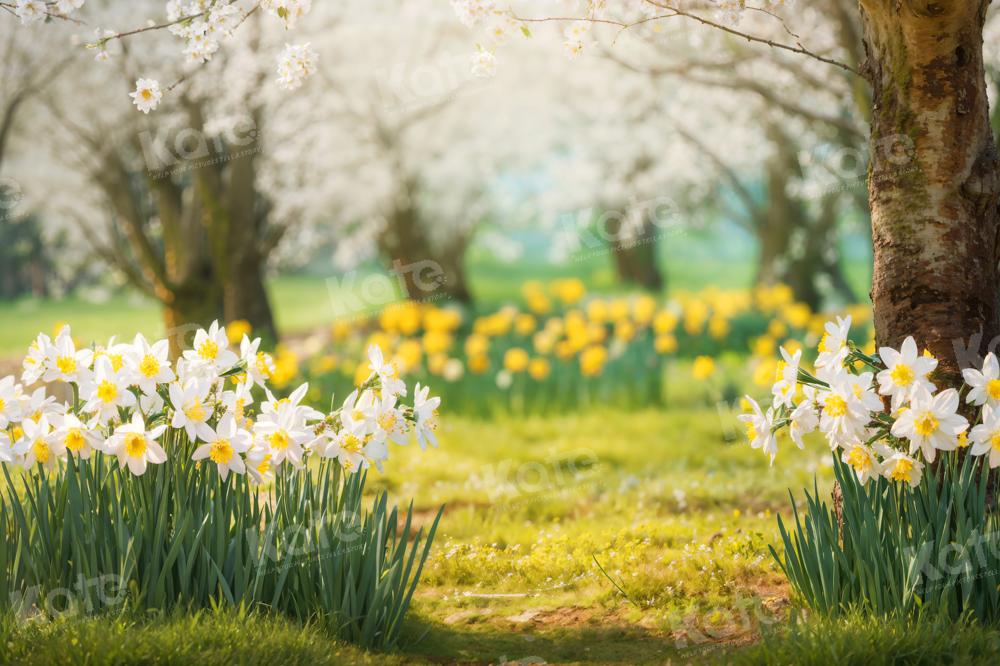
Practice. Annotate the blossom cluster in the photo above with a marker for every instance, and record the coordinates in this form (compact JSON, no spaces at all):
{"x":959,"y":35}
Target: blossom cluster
{"x":30,"y":11}
{"x":130,"y":401}
{"x":203,"y":25}
{"x":497,"y":22}
{"x":295,"y":64}
{"x":845,"y":399}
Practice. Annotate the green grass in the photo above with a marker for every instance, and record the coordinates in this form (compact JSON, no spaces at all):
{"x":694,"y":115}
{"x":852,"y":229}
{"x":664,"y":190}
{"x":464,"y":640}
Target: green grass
{"x":672,"y":504}
{"x":675,"y":512}
{"x":309,"y":301}
{"x":301,"y":303}
{"x":867,"y":642}
{"x":205,"y":638}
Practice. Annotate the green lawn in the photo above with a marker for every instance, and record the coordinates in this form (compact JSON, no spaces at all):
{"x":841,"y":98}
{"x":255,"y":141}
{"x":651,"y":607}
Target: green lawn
{"x":677,"y":514}
{"x":672,"y":504}
{"x":301,"y":303}
{"x":674,"y":508}
{"x":306,"y":302}
{"x":674,"y":513}
{"x":596,"y":537}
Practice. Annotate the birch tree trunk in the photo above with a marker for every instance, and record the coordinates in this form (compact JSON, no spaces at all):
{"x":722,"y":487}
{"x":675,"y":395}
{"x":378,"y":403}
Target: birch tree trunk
{"x":934,"y":181}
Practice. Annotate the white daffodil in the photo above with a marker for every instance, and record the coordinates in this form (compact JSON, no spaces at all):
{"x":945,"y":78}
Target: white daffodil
{"x":10,"y":402}
{"x":805,"y":417}
{"x":135,"y":446}
{"x":390,"y":423}
{"x":7,"y":453}
{"x":425,"y":412}
{"x":759,"y":425}
{"x":75,"y":436}
{"x":33,"y":365}
{"x":238,"y":400}
{"x":34,"y":446}
{"x":211,"y":349}
{"x":151,"y":403}
{"x":347,"y":447}
{"x":359,"y":411}
{"x":984,"y":384}
{"x":833,"y":346}
{"x":33,"y":406}
{"x":787,"y":380}
{"x":986,"y":436}
{"x":931,"y":423}
{"x":64,"y":363}
{"x":862,"y":460}
{"x":191,"y":406}
{"x":272,"y":404}
{"x":388,"y":373}
{"x":260,"y":365}
{"x":258,"y":464}
{"x":905,"y":372}
{"x":187,"y":371}
{"x":148,"y":364}
{"x":223,"y":446}
{"x":115,"y":352}
{"x":107,"y":391}
{"x":847,"y":407}
{"x":901,"y":467}
{"x":285,"y":435}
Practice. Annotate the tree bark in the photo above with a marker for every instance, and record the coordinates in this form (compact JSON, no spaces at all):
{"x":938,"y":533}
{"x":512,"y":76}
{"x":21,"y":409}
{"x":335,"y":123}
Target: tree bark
{"x":635,"y":255}
{"x":423,"y":271}
{"x":190,"y":306}
{"x":244,"y":294}
{"x":933,"y":202}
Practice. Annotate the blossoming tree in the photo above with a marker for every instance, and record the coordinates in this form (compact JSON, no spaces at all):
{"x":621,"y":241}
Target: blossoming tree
{"x":935,"y":218}
{"x":187,"y":221}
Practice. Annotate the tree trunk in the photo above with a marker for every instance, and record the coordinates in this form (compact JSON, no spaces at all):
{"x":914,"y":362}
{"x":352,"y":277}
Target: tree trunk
{"x":933,"y":202}
{"x":190,"y":306}
{"x":635,"y":255}
{"x":192,"y":295}
{"x":814,"y":269}
{"x":423,"y":273}
{"x":245,"y":296}
{"x":456,"y":281}
{"x":778,"y":221}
